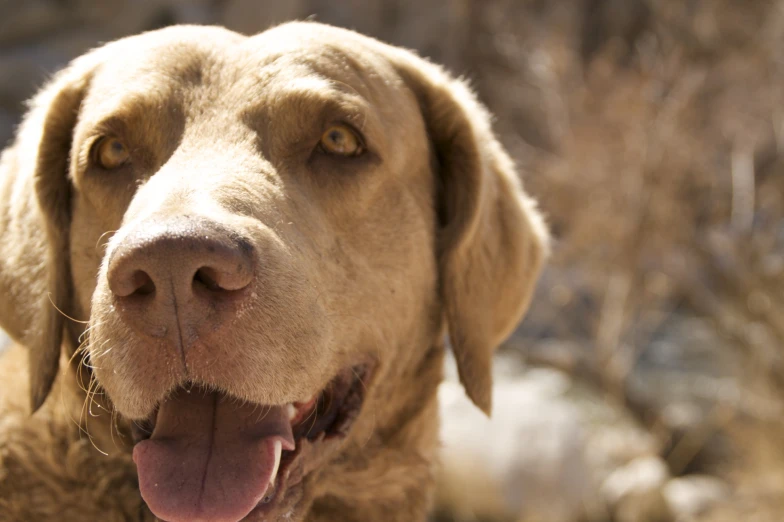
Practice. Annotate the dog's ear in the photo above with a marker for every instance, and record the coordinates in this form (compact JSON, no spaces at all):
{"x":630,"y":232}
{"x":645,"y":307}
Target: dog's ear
{"x":492,"y":240}
{"x":35,"y":207}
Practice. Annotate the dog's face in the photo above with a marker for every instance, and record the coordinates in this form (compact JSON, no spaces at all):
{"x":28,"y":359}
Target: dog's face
{"x":267,"y":236}
{"x":267,"y":199}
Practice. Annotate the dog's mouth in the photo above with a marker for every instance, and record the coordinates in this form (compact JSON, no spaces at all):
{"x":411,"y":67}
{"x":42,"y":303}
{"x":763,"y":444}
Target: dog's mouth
{"x":204,"y":455}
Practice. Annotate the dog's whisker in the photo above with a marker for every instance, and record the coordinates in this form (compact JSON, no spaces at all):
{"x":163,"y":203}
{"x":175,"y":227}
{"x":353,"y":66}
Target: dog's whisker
{"x":314,"y":414}
{"x":80,"y":350}
{"x":91,"y":366}
{"x":51,"y":301}
{"x":113,"y":428}
{"x":79,"y":370}
{"x":141,"y":428}
{"x":95,"y":387}
{"x":88,"y":330}
{"x":97,"y":245}
{"x":265,"y":410}
{"x":83,"y":416}
{"x":101,"y":352}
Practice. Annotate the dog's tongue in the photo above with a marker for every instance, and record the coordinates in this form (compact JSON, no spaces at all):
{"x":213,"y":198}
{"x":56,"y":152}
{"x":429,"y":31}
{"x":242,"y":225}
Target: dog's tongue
{"x":210,"y":458}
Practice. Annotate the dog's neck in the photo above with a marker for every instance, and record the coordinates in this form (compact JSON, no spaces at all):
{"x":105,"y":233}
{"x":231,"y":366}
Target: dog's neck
{"x":403,"y":453}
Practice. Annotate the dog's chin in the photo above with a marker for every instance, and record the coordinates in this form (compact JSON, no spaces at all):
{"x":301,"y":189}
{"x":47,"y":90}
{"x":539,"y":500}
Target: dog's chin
{"x":205,"y":455}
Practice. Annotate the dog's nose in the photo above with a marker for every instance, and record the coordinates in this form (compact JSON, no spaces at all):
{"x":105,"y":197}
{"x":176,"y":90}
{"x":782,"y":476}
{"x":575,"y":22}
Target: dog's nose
{"x":189,"y":267}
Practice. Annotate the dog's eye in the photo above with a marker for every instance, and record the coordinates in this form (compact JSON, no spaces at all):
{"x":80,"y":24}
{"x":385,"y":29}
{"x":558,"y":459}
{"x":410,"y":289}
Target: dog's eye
{"x":341,"y":140}
{"x":111,"y":153}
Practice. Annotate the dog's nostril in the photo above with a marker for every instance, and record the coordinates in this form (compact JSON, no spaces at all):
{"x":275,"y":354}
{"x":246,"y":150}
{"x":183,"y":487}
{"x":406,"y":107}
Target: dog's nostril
{"x":125,"y":282}
{"x":207,"y":277}
{"x":223,"y":276}
{"x":142,"y":282}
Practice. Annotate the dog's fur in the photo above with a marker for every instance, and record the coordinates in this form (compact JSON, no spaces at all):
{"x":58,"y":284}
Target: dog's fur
{"x":373,"y":257}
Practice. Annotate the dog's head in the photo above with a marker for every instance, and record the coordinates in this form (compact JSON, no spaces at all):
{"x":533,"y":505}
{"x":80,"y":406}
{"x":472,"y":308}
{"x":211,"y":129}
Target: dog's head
{"x":268,"y":237}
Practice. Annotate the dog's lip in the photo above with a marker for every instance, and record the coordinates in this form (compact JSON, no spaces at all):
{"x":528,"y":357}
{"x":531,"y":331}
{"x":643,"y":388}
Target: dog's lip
{"x":306,"y":416}
{"x":325,"y":417}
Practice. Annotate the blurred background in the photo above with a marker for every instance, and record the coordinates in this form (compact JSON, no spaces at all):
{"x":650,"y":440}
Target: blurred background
{"x":647,"y":382}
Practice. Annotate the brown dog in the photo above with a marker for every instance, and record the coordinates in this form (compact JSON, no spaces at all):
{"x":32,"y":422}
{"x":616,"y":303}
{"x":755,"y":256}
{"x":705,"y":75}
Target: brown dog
{"x":267,"y":239}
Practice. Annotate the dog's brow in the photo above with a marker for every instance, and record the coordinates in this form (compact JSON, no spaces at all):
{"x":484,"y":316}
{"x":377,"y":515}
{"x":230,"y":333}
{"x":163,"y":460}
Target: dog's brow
{"x":307,"y":85}
{"x":137,"y":104}
{"x":315,"y":89}
{"x":309,"y":97}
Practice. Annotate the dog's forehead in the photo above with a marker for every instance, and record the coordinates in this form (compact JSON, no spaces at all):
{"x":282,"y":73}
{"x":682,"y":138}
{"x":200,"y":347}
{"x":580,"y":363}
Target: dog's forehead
{"x":223,"y":65}
{"x":203,"y":53}
{"x":312,"y":43}
{"x":175,"y":51}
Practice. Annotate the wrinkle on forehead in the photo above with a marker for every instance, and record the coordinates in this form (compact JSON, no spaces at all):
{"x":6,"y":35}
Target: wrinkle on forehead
{"x":306,"y":93}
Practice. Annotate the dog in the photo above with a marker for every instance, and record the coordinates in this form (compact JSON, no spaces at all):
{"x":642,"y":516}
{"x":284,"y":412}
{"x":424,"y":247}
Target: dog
{"x":230,"y":264}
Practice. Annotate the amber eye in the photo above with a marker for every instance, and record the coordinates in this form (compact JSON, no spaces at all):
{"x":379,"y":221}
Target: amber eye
{"x":341,"y":140}
{"x":111,"y":153}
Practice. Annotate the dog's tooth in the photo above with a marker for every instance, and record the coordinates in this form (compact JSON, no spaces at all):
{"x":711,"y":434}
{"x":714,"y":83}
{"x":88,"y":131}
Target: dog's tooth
{"x":292,"y":411}
{"x":278,"y":451}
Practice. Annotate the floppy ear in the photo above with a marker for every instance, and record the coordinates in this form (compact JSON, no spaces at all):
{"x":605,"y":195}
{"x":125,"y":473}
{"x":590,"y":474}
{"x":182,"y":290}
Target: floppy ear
{"x":492,"y":240}
{"x":35,"y":276}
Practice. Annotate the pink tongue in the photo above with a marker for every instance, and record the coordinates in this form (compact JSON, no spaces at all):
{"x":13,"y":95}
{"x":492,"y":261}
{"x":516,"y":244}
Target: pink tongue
{"x":209,"y":458}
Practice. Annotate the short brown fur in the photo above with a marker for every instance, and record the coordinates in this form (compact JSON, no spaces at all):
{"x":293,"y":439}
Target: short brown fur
{"x":373,"y":258}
